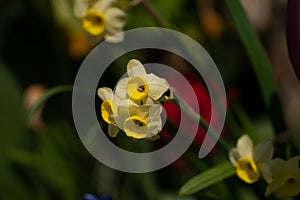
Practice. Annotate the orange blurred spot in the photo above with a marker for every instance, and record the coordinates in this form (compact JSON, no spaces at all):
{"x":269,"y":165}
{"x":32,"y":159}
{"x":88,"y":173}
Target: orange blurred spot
{"x":79,"y":45}
{"x":212,"y":23}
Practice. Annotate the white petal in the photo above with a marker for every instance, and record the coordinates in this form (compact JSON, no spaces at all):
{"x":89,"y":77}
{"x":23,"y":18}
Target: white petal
{"x":121,"y":88}
{"x":157,"y":86}
{"x":245,"y":146}
{"x":143,"y":111}
{"x":124,"y":102}
{"x":155,"y":126}
{"x":263,"y":152}
{"x":124,"y":112}
{"x":234,"y":156}
{"x":120,"y":119}
{"x":80,"y":7}
{"x":111,"y":30}
{"x":113,"y":130}
{"x":128,"y":110}
{"x":105,"y":93}
{"x":133,"y":130}
{"x":135,"y":68}
{"x":102,"y":5}
{"x":155,"y":110}
{"x":116,"y":18}
{"x":265,"y":171}
{"x":114,"y":38}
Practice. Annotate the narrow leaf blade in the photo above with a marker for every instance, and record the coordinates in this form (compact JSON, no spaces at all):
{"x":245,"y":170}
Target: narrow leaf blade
{"x":207,"y":178}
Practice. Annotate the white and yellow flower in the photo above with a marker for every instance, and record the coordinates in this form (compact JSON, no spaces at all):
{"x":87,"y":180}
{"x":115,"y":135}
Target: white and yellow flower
{"x":139,"y":85}
{"x":101,"y":18}
{"x":251,"y":161}
{"x":109,"y":109}
{"x":142,"y":121}
{"x":137,"y":121}
{"x":285,"y":178}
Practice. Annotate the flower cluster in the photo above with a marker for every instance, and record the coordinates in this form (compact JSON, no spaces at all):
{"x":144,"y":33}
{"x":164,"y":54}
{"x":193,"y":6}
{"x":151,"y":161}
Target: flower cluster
{"x":134,"y":107}
{"x":101,"y":19}
{"x":255,"y":161}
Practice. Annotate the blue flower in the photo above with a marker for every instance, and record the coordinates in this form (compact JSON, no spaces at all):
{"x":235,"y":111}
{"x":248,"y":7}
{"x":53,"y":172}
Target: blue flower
{"x":92,"y":197}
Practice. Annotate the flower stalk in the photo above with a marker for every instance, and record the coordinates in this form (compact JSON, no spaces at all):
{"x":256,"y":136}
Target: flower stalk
{"x":188,"y":110}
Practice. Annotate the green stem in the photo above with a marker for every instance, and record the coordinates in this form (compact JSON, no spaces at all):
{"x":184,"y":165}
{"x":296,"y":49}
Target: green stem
{"x":204,"y":124}
{"x":185,"y":107}
{"x":50,"y":93}
{"x":188,"y":110}
{"x":159,"y":20}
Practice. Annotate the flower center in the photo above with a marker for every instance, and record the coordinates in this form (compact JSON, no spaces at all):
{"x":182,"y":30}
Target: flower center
{"x":247,"y":170}
{"x":139,"y":123}
{"x":137,"y":89}
{"x":136,"y":127}
{"x":94,"y":22}
{"x":108,"y":109}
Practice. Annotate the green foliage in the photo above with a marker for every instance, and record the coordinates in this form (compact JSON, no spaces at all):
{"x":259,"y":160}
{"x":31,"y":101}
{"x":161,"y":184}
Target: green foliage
{"x":207,"y":178}
{"x":52,"y":163}
{"x":260,"y":63}
{"x":12,"y":135}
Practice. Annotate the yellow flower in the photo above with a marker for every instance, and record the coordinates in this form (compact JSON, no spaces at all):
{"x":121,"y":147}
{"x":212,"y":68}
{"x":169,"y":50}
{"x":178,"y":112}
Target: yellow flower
{"x":251,"y":161}
{"x":141,"y":122}
{"x":140,"y":85}
{"x":101,"y":19}
{"x":137,"y":121}
{"x":109,"y":109}
{"x":286,"y":178}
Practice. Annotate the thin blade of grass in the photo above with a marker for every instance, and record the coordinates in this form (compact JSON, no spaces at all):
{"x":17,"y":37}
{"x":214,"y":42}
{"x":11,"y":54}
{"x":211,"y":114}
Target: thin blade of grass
{"x":260,"y":63}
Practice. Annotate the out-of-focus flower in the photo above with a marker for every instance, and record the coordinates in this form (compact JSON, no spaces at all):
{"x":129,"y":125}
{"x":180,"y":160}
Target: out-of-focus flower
{"x":212,"y":23}
{"x":101,"y":19}
{"x":31,"y":95}
{"x":293,"y":33}
{"x":285,"y":178}
{"x":251,"y":161}
{"x":79,"y":45}
{"x":140,"y":85}
{"x":76,"y":37}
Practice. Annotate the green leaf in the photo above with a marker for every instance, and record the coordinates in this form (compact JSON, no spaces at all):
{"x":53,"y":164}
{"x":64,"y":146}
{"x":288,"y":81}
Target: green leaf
{"x":12,"y":118}
{"x":260,"y":62}
{"x":207,"y":178}
{"x":50,"y":164}
{"x":12,"y":135}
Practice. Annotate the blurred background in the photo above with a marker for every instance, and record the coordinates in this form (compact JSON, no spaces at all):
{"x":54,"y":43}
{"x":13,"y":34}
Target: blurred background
{"x":42,"y":45}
